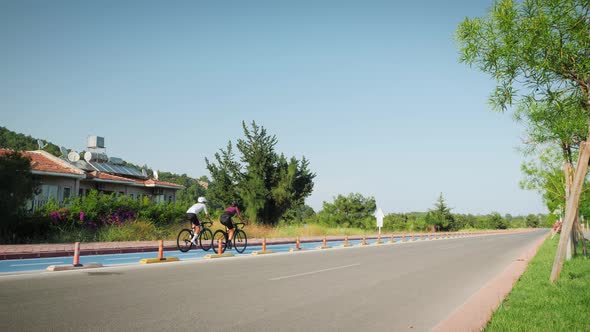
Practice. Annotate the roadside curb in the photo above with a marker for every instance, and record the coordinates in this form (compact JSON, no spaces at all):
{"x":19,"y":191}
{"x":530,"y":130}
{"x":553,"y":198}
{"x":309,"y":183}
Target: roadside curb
{"x":212,"y":256}
{"x":474,"y":314}
{"x":158,"y":260}
{"x":55,"y":268}
{"x":263,"y":252}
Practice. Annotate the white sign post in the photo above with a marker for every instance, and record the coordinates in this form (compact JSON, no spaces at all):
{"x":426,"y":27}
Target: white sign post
{"x":379,"y":215}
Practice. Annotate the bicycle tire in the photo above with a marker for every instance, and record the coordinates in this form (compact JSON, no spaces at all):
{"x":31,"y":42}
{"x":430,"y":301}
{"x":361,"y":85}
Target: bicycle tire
{"x":219,"y":235}
{"x":206,"y":239}
{"x":183,"y":240}
{"x":240,"y":241}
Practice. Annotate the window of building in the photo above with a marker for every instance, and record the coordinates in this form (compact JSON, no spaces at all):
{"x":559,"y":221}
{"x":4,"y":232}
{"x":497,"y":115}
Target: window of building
{"x":48,"y":191}
{"x":67,"y":193}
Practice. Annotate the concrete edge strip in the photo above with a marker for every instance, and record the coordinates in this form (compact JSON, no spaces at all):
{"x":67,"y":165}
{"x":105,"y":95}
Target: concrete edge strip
{"x":157,"y":260}
{"x":263,"y":252}
{"x":213,"y":256}
{"x":54,"y":268}
{"x":474,"y":314}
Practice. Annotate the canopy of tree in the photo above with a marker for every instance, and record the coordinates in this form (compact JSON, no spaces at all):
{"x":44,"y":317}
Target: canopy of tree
{"x":354,"y":210}
{"x":266,"y":183}
{"x":539,"y":54}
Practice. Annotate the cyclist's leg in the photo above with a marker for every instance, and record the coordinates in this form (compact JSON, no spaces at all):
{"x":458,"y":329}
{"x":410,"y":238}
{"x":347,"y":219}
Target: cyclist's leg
{"x":194,"y":225}
{"x":228,"y":223}
{"x":230,"y":230}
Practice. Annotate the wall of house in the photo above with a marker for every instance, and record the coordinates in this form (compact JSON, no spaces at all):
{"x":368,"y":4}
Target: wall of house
{"x":56,"y":187}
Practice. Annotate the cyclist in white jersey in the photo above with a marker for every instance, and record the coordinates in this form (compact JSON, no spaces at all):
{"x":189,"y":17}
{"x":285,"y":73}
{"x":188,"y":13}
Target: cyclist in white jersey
{"x":192,"y":215}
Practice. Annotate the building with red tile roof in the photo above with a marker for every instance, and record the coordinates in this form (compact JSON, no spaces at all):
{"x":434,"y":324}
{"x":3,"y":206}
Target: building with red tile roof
{"x":60,"y":178}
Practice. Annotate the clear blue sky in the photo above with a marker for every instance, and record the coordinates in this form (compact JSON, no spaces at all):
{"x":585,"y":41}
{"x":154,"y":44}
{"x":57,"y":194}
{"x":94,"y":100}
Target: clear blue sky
{"x":371,"y":92}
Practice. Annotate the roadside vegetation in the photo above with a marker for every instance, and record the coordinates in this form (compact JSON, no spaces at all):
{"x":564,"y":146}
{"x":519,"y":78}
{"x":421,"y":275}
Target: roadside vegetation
{"x":100,"y":217}
{"x":270,"y":187}
{"x":536,"y":304}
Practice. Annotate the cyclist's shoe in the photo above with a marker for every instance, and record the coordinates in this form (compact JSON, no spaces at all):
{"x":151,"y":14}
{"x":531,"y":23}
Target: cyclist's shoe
{"x":229,"y":244}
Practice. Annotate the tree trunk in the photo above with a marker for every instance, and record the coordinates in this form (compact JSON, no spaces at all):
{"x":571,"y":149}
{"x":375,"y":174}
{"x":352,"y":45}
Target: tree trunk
{"x":568,"y":170}
{"x":571,"y":208}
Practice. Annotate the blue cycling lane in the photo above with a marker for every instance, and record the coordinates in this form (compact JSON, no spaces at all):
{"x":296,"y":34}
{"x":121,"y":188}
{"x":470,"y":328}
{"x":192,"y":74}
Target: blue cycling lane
{"x":39,"y":264}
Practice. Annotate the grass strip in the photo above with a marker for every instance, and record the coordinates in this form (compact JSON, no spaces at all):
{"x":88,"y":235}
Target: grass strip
{"x":537,"y":305}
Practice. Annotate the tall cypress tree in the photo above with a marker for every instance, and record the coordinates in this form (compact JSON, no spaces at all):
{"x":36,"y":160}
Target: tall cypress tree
{"x":266,"y":183}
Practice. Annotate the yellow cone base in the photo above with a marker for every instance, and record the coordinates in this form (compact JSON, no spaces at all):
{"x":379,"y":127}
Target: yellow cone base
{"x":211,"y":256}
{"x":295,"y":249}
{"x":346,"y":245}
{"x":322,"y":247}
{"x":378,"y":242}
{"x":263,"y":252}
{"x":157,"y":260}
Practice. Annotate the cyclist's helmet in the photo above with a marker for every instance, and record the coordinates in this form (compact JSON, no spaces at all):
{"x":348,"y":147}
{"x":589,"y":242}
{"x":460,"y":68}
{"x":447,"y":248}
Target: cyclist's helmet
{"x":202,"y":200}
{"x":234,"y":203}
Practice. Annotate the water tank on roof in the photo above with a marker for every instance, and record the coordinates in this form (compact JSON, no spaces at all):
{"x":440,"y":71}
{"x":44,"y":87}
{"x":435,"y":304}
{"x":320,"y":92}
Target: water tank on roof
{"x":95,"y":156}
{"x":95,"y":142}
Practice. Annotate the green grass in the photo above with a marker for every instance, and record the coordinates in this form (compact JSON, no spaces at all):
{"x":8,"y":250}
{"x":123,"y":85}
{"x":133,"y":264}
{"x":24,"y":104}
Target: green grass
{"x":537,"y":305}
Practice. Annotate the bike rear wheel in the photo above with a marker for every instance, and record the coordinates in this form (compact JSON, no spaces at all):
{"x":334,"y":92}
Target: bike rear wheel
{"x":206,"y":239}
{"x":183,"y":241}
{"x":240,"y":240}
{"x":221,"y":236}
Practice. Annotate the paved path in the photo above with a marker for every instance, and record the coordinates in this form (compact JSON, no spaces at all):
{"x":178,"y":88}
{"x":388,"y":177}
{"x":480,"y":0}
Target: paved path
{"x":402,"y":287}
{"x":23,"y":251}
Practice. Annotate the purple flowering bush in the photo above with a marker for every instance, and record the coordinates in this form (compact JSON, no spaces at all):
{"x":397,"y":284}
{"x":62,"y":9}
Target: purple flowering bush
{"x":102,"y":217}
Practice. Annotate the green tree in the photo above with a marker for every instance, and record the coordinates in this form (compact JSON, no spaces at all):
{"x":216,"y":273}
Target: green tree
{"x":497,"y":222}
{"x":532,"y":221}
{"x":266,"y":183}
{"x":354,"y":210}
{"x":441,"y":217}
{"x":545,"y":175}
{"x":17,"y":185}
{"x":536,"y":50}
{"x":15,"y":141}
{"x":226,"y":176}
{"x":298,"y":214}
{"x":193,"y":188}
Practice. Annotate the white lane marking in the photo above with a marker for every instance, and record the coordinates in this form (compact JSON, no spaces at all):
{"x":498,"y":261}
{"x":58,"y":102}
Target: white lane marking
{"x":120,"y":259}
{"x":313,"y":272}
{"x":33,"y":264}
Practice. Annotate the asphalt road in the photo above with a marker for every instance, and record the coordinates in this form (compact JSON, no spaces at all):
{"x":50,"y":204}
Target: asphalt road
{"x":401,"y":287}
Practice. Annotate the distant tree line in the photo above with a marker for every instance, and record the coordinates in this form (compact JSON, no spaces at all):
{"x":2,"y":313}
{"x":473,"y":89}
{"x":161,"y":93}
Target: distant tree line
{"x":357,"y":211}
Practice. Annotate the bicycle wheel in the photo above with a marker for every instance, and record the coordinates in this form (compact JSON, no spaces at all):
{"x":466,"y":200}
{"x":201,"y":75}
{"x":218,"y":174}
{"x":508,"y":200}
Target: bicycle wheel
{"x":183,"y":241}
{"x":206,"y":239}
{"x":240,"y":240}
{"x":219,"y":235}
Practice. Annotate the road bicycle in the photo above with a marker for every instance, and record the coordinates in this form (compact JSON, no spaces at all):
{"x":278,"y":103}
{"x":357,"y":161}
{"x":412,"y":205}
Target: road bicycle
{"x":239,"y":242}
{"x":204,"y":238}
